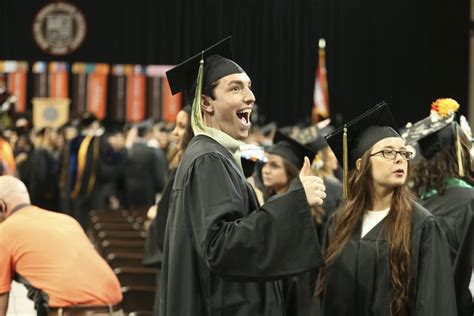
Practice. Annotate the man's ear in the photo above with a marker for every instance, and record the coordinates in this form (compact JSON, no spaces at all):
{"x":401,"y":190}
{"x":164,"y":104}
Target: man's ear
{"x":207,"y":104}
{"x":3,"y":210}
{"x":358,"y":162}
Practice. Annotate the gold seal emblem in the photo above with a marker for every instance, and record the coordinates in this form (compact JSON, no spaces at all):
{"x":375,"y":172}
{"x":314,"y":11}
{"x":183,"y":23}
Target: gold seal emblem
{"x":59,"y":28}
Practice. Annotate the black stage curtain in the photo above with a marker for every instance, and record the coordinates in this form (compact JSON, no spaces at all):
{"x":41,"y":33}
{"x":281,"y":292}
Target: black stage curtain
{"x":405,"y":52}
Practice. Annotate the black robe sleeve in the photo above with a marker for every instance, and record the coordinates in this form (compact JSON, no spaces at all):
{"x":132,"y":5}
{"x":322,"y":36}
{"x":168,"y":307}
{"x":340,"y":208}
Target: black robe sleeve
{"x":434,"y":288}
{"x":279,"y":239}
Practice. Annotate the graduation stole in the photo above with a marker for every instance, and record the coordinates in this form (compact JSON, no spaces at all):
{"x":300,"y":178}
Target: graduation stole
{"x":81,"y":164}
{"x":7,"y":158}
{"x":450,"y":183}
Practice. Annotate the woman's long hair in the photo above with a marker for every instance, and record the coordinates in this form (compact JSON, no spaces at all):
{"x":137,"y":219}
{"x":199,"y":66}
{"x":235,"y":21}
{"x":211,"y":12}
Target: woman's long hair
{"x":445,"y":163}
{"x":188,"y":135}
{"x":397,"y":230}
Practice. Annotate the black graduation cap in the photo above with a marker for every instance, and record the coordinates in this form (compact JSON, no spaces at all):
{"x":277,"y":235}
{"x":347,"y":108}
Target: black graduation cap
{"x":267,"y":129}
{"x":113,"y":127}
{"x":432,"y":136}
{"x":360,"y":134}
{"x":437,"y":131}
{"x":290,"y":149}
{"x":87,"y":118}
{"x":144,"y":126}
{"x":217,"y":64}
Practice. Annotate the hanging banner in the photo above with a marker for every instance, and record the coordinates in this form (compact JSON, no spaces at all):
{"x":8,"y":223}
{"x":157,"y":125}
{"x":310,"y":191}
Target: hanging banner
{"x":136,"y":93}
{"x":171,"y":103}
{"x":58,"y":80}
{"x":17,"y":72}
{"x":161,"y":104}
{"x":40,"y":80}
{"x":50,"y":112}
{"x":90,"y":89}
{"x":118,"y":84}
{"x":97,"y":91}
{"x":79,"y":89}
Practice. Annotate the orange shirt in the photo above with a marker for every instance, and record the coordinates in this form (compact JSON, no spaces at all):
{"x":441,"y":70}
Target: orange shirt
{"x":53,"y":253}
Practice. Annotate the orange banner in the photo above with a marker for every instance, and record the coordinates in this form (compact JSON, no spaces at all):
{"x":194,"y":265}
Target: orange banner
{"x":58,"y":84}
{"x":17,"y":87}
{"x":171,"y":103}
{"x":136,"y":97}
{"x":97,"y":94}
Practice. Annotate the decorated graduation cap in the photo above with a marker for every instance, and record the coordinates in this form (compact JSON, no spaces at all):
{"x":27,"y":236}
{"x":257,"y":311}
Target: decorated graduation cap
{"x":438,"y":131}
{"x":290,"y":149}
{"x":200,"y":71}
{"x":352,"y":140}
{"x":251,"y":156}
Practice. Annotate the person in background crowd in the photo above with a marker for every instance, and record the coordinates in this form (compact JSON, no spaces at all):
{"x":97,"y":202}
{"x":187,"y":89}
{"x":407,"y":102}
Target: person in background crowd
{"x":145,"y":170}
{"x":444,"y":182}
{"x":38,"y":170}
{"x":182,"y":135}
{"x":50,"y":253}
{"x":79,"y":169}
{"x":285,"y":160}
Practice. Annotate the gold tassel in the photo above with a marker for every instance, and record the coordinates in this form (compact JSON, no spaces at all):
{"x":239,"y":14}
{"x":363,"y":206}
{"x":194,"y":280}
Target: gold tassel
{"x":197,"y":122}
{"x":459,"y":153}
{"x":344,"y":163}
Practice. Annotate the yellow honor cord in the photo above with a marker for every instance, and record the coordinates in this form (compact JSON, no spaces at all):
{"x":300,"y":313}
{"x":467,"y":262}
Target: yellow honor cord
{"x":344,"y":163}
{"x":197,"y":121}
{"x":459,"y":153}
{"x":81,"y":164}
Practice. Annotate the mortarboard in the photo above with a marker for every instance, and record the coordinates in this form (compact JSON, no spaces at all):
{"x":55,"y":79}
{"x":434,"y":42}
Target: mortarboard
{"x":87,"y":118}
{"x":438,"y":131}
{"x":200,"y":71}
{"x":144,"y":126}
{"x":290,"y":149}
{"x":313,"y":137}
{"x":113,"y":127}
{"x":352,"y":140}
{"x":435,"y":132}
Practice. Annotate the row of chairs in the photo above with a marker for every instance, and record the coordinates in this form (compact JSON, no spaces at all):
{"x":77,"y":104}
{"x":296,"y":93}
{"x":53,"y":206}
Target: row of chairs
{"x":119,"y":236}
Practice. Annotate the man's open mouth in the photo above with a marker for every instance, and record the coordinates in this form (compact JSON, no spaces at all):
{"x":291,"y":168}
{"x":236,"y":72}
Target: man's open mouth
{"x":244,"y":116}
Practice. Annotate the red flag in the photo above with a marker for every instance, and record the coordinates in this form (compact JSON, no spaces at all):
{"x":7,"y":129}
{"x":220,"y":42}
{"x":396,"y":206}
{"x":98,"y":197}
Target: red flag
{"x":321,"y":95}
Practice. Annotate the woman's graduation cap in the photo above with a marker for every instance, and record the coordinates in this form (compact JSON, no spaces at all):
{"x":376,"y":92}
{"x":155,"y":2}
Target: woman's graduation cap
{"x":437,"y":131}
{"x":290,"y":149}
{"x":352,"y":140}
{"x":200,"y":71}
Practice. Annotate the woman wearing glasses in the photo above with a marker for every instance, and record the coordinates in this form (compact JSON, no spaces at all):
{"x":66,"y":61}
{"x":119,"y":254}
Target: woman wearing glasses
{"x":384,"y":254}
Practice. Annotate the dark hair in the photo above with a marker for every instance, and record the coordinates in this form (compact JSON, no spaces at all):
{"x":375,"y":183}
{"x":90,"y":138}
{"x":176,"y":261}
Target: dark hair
{"x":208,"y":90}
{"x":445,"y":162}
{"x":189,"y":134}
{"x":177,"y":154}
{"x":397,"y":230}
{"x":291,"y":172}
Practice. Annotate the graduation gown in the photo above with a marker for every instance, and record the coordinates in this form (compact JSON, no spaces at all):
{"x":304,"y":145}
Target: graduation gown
{"x":223,"y":254}
{"x":39,"y":172}
{"x":358,"y":282}
{"x":145,"y":174}
{"x":454,"y":211}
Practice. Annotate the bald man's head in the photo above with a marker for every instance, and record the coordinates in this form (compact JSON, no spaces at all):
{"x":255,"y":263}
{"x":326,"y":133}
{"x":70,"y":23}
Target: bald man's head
{"x":12,"y":193}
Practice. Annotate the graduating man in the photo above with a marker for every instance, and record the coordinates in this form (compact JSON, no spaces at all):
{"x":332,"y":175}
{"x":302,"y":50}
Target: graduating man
{"x":223,"y":254}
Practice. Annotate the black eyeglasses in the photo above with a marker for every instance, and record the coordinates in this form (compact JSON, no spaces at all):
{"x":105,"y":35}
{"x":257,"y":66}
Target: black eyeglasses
{"x":392,"y":154}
